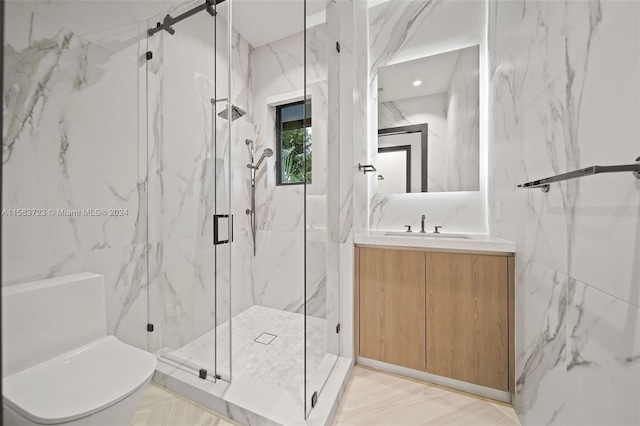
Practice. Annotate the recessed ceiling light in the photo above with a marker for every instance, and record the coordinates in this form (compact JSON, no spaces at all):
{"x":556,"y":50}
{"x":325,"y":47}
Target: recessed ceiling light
{"x":417,"y":82}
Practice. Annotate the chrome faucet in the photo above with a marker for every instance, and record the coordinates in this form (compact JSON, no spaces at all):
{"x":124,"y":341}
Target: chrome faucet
{"x":422,"y":224}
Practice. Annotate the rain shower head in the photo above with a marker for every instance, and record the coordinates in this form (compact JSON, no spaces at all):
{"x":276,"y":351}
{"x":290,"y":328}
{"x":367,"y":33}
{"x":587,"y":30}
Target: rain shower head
{"x":236,"y":112}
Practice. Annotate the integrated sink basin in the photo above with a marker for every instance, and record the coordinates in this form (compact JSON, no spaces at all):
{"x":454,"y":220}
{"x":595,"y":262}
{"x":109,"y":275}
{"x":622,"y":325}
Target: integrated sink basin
{"x":432,"y":241}
{"x":427,"y":235}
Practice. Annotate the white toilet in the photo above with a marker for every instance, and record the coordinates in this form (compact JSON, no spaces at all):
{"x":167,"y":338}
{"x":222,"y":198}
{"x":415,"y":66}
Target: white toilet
{"x":59,"y":365}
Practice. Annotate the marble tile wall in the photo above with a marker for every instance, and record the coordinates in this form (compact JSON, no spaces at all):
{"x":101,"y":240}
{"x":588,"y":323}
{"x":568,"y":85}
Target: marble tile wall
{"x":564,"y":94}
{"x":71,"y":141}
{"x":463,"y":120}
{"x":360,"y":135}
{"x":405,"y":30}
{"x":278,"y":279}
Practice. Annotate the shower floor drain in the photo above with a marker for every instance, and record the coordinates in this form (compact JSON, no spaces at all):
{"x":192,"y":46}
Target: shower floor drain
{"x":265,"y":338}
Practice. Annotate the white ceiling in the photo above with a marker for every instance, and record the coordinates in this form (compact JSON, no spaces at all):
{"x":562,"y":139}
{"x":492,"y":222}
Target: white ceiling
{"x":434,"y":71}
{"x":265,"y":21}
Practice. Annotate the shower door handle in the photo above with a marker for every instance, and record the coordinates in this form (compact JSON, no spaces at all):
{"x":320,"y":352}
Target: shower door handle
{"x":218,"y":229}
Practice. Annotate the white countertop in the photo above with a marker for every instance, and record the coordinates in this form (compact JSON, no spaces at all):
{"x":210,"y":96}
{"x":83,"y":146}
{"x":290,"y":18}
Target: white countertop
{"x":446,"y":241}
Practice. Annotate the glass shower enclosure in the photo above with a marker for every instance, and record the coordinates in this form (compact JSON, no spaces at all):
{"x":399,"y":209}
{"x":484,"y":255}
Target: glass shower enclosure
{"x":253,"y":306}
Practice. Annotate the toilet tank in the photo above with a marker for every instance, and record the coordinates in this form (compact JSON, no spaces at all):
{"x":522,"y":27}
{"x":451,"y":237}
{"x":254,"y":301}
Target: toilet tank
{"x":46,"y":318}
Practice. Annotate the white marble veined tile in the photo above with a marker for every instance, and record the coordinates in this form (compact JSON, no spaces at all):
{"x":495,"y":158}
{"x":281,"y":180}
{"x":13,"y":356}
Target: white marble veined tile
{"x":54,"y":83}
{"x":455,"y":211}
{"x":281,"y":208}
{"x":320,"y":281}
{"x":463,"y":123}
{"x":242,"y":75}
{"x":565,"y":96}
{"x":529,"y":137}
{"x":541,"y":315}
{"x":183,"y":275}
{"x":72,"y":141}
{"x":125,"y":280}
{"x":119,"y":27}
{"x":360,"y":107}
{"x":279,"y":70}
{"x":279,"y":272}
{"x":603,"y":358}
{"x":347,"y":124}
{"x":242,"y":259}
{"x":187,"y":164}
{"x":405,"y":30}
{"x":605,"y":131}
{"x":317,"y":41}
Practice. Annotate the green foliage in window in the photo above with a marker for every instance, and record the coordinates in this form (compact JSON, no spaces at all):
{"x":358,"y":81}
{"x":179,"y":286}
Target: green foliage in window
{"x":296,"y":151}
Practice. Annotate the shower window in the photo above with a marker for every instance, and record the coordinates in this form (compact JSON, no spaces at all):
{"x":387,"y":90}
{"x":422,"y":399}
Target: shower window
{"x":293,"y":136}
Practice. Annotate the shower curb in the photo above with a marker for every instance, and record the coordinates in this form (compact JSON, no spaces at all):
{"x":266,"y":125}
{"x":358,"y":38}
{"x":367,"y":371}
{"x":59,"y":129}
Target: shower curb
{"x":213,"y":396}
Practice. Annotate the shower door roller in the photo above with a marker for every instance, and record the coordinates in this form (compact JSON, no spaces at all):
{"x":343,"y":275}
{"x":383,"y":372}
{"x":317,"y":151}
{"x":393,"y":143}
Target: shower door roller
{"x":222,"y":228}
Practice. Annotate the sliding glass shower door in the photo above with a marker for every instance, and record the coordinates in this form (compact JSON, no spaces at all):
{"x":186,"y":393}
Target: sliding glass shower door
{"x":224,"y":115}
{"x":187,"y":82}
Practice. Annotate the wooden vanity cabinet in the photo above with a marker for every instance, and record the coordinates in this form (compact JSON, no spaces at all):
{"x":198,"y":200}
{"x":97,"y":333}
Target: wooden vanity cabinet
{"x":448,"y":314}
{"x":467,"y":316}
{"x":392,"y":307}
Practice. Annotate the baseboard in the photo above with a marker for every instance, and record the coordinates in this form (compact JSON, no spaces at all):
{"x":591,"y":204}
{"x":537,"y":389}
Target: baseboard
{"x":482,"y":391}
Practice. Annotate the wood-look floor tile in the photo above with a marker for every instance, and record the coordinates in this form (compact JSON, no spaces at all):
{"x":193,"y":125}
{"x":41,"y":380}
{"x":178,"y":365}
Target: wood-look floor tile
{"x":378,"y":398}
{"x":372,"y":398}
{"x":160,"y":407}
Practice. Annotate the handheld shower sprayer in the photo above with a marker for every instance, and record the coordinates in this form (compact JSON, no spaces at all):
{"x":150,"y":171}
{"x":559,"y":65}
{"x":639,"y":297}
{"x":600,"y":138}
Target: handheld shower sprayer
{"x":268,"y":152}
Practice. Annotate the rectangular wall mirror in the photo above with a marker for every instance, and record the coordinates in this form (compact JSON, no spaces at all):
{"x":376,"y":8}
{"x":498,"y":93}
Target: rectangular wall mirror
{"x":428,"y":116}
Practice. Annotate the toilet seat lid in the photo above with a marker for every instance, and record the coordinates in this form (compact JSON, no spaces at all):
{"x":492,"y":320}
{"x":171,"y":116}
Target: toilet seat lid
{"x":78,"y":383}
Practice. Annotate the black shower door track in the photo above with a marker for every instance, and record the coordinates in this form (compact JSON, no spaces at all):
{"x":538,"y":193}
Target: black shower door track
{"x":208,"y":5}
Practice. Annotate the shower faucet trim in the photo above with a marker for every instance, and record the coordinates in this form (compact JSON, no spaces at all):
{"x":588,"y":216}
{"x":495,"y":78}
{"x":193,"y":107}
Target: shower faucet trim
{"x":268,"y":152}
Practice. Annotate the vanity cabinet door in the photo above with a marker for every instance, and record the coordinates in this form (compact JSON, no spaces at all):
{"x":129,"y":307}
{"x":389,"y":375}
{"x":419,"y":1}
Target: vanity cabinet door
{"x":467,"y":318}
{"x":392,"y":306}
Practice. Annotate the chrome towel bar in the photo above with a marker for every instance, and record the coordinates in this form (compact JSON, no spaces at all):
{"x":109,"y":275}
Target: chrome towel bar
{"x":587,"y":171}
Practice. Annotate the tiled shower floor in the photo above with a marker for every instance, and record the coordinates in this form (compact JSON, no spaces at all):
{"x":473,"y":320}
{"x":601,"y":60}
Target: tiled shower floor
{"x":281,"y":362}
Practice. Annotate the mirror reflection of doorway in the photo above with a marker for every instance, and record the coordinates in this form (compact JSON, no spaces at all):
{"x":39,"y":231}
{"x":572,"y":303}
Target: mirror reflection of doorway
{"x":394,"y":169}
{"x":402,"y":159}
